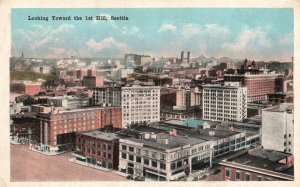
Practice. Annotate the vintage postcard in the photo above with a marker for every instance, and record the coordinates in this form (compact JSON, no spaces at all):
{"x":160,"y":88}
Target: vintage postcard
{"x":159,"y":92}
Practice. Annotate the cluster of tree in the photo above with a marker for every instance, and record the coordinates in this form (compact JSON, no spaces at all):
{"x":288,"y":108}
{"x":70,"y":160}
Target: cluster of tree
{"x":28,"y":75}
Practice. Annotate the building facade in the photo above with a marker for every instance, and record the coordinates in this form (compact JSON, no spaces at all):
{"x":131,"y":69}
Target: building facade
{"x":163,"y":157}
{"x":58,"y":128}
{"x":258,"y":85}
{"x":258,"y":165}
{"x":70,"y":102}
{"x":98,"y":149}
{"x":140,"y":104}
{"x":278,"y":121}
{"x":93,"y":81}
{"x":107,"y":96}
{"x":226,"y":102}
{"x":30,"y":88}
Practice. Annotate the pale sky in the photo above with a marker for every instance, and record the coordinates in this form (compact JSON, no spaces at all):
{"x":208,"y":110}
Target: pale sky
{"x":260,"y":34}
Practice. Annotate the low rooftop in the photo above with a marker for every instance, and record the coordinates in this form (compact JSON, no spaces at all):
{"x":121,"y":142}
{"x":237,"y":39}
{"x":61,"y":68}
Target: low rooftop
{"x":284,"y":107}
{"x":264,"y":159}
{"x":102,"y":135}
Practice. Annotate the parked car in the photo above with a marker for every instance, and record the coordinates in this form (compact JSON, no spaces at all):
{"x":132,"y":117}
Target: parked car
{"x":139,"y":178}
{"x":130,"y":177}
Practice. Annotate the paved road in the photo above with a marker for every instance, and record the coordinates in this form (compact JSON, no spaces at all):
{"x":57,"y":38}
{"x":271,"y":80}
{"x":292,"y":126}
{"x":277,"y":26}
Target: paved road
{"x":27,"y":165}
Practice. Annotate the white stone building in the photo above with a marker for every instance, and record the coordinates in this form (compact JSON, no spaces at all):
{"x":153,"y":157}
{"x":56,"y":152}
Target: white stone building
{"x":140,"y":104}
{"x":226,"y":102}
{"x":278,"y":128}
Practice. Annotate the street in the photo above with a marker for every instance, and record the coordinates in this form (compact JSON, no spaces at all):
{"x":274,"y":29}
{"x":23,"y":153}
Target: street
{"x":27,"y":165}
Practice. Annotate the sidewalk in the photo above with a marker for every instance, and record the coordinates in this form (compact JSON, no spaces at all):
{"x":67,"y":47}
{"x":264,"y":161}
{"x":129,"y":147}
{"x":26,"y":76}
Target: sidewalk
{"x":47,"y":153}
{"x":73,"y":160}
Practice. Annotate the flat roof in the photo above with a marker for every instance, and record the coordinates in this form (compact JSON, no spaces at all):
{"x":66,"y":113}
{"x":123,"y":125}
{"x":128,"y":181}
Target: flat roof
{"x":283,"y":107}
{"x":264,"y":159}
{"x":102,"y":135}
{"x":173,"y":141}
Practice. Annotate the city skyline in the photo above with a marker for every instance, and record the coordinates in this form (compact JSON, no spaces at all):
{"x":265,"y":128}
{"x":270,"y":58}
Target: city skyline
{"x":157,"y":32}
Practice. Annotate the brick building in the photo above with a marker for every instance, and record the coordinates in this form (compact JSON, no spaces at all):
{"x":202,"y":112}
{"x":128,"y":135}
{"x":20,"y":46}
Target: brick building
{"x":98,"y":148}
{"x":29,"y":88}
{"x":258,"y":85}
{"x":93,"y":81}
{"x":258,"y":165}
{"x":57,"y":128}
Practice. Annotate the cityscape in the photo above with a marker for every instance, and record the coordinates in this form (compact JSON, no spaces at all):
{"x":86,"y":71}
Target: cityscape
{"x":211,"y":108}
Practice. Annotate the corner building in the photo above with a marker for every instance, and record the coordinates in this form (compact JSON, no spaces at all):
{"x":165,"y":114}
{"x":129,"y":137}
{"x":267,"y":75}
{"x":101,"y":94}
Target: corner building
{"x":57,"y":129}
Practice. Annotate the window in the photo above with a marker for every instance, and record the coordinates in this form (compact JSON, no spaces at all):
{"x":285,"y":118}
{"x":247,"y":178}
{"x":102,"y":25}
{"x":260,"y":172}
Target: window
{"x":237,"y":175}
{"x":163,"y":166}
{"x":124,"y":155}
{"x":154,"y":163}
{"x":259,"y":178}
{"x":179,"y":164}
{"x":131,"y":157}
{"x":109,"y":147}
{"x":109,"y":156}
{"x":227,"y":173}
{"x":146,"y":162}
{"x":154,"y":154}
{"x":104,"y":146}
{"x":173,"y":165}
{"x":247,"y":177}
{"x":124,"y":147}
{"x":104,"y":154}
{"x":131,"y":149}
{"x":284,"y":136}
{"x":138,"y":159}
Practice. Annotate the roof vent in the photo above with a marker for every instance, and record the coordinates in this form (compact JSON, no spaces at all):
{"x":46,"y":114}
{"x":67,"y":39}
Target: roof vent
{"x":212,"y":133}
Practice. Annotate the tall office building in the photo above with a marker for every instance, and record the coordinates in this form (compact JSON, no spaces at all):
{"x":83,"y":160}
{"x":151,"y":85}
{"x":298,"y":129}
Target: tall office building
{"x":226,"y":102}
{"x":107,"y":96}
{"x":278,"y":128}
{"x":140,"y":104}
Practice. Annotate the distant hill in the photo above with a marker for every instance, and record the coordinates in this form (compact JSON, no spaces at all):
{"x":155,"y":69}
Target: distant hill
{"x":204,"y":59}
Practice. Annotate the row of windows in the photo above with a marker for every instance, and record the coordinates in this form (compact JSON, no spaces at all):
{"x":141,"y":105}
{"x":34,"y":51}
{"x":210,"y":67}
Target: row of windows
{"x":145,"y":152}
{"x":146,"y":161}
{"x":247,"y":176}
{"x":96,"y":153}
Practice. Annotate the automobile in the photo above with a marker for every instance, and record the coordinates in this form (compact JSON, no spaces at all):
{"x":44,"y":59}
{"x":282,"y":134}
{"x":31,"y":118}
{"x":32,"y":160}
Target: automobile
{"x":139,"y":178}
{"x":217,"y":171}
{"x":202,"y":177}
{"x":130,"y":177}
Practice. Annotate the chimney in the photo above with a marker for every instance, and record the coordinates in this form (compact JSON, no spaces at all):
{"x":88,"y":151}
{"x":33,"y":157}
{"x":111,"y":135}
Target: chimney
{"x":173,"y":132}
{"x":166,"y":142}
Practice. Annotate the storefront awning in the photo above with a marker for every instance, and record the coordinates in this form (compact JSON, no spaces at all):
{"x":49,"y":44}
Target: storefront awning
{"x":78,"y":156}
